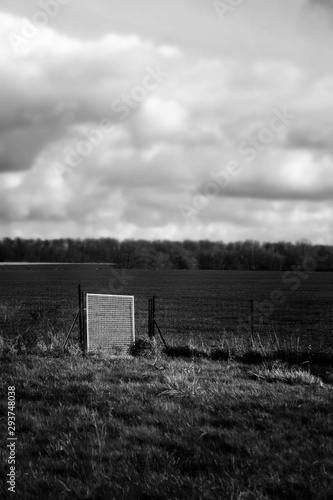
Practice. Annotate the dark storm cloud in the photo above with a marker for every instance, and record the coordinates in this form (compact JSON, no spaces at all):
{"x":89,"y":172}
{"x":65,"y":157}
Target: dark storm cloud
{"x":317,"y":136}
{"x":322,"y":3}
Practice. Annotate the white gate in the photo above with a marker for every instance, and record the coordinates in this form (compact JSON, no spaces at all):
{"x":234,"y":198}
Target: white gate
{"x":109,"y":322}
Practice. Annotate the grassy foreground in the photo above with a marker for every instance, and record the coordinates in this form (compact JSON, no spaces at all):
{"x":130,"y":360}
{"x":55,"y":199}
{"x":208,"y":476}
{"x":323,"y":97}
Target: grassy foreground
{"x":162,"y":427}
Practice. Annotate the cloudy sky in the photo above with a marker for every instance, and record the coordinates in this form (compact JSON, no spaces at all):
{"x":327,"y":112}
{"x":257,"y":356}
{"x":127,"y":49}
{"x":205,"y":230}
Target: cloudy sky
{"x":166,"y":120}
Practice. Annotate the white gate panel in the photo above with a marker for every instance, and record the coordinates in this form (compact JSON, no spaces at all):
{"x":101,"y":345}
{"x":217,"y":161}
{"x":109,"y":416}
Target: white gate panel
{"x":110,"y":322}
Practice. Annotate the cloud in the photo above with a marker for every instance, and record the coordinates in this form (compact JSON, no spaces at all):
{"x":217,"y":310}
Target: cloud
{"x":322,"y":3}
{"x":57,"y":82}
{"x":162,"y":117}
{"x":320,"y":14}
{"x":56,"y":93}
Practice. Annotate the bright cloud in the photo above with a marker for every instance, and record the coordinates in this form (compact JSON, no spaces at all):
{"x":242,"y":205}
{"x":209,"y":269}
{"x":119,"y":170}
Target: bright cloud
{"x":107,"y":135}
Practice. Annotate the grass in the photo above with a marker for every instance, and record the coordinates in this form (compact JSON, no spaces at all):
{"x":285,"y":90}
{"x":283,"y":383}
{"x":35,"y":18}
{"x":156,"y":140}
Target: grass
{"x":239,"y":418}
{"x":283,"y":373}
{"x":224,"y":417}
{"x":179,"y":424}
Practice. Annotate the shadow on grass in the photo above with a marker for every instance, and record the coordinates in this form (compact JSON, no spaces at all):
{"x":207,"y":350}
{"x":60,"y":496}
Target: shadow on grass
{"x":143,"y":347}
{"x":252,"y":356}
{"x":185,"y":352}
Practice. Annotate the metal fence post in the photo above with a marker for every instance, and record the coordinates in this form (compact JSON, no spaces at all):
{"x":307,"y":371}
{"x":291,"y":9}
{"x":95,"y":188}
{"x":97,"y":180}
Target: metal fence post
{"x":150,"y":318}
{"x":252,"y":320}
{"x":84,"y":314}
{"x":80,"y":317}
{"x":153,"y":318}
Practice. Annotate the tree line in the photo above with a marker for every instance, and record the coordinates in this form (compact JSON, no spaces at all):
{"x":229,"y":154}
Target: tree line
{"x":163,"y":254}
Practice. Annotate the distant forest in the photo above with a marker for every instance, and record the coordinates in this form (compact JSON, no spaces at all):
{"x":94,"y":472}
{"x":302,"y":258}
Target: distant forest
{"x":246,"y":255}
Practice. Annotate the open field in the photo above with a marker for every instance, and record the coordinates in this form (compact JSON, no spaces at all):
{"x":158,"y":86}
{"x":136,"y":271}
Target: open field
{"x":191,"y":306}
{"x":213,"y":417}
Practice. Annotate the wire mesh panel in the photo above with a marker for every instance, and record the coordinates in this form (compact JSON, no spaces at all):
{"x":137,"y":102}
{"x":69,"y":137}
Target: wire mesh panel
{"x":201,"y":319}
{"x":109,"y":322}
{"x":296,"y":322}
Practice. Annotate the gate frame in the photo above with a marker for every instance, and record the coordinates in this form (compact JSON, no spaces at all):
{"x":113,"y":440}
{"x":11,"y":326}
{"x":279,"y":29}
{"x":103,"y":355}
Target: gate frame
{"x":83,"y":316}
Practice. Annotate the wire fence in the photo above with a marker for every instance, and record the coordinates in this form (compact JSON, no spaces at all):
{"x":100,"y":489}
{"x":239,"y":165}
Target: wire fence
{"x":300,"y":323}
{"x":303,"y":324}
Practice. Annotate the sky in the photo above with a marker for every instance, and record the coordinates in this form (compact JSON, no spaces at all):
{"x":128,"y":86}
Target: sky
{"x":186,"y":119}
